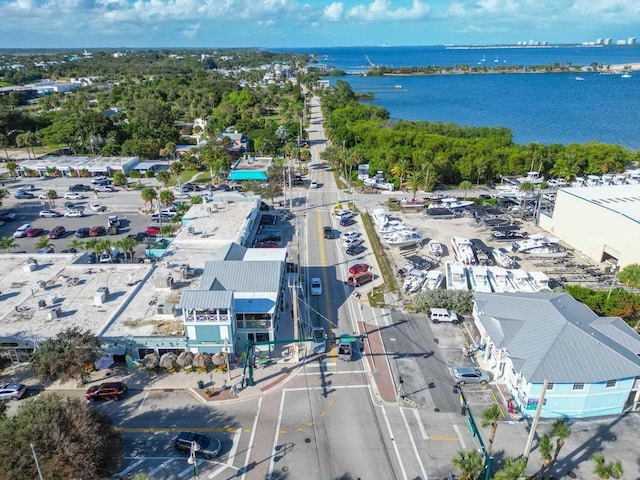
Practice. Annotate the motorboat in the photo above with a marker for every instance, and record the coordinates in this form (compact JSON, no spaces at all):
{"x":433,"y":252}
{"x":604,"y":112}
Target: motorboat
{"x":440,"y":212}
{"x":463,"y":250}
{"x":508,"y":235}
{"x":520,"y":280}
{"x":456,"y":274}
{"x":500,"y":281}
{"x":532,"y":177}
{"x":540,"y":281}
{"x":436,"y":248}
{"x":404,"y":238}
{"x":380,"y":217}
{"x":393,"y":226}
{"x":452,"y":203}
{"x":414,"y":280}
{"x":479,"y":279}
{"x":502,"y":259}
{"x":539,"y":246}
{"x":433,"y":281}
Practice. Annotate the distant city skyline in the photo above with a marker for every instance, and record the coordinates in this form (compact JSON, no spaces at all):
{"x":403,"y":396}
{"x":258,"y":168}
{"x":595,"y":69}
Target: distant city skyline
{"x":314,"y":23}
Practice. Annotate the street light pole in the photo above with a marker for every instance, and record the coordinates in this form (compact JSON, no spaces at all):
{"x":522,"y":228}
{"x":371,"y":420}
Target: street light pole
{"x":35,"y":457}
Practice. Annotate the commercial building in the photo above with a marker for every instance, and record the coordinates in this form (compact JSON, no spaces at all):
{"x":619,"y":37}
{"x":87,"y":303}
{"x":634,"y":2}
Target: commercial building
{"x":602,"y":222}
{"x":76,"y":166}
{"x":591,"y":364}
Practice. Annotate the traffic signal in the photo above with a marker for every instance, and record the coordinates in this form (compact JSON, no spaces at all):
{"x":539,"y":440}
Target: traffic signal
{"x":463,"y":410}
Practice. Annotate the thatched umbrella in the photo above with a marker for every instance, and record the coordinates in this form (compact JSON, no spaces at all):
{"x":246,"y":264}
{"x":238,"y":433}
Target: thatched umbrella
{"x":219,"y":358}
{"x":201,"y":359}
{"x":151,"y":360}
{"x":185,"y":359}
{"x":168,"y":360}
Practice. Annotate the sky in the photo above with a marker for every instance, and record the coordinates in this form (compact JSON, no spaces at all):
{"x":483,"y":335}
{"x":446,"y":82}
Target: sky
{"x":311,"y":23}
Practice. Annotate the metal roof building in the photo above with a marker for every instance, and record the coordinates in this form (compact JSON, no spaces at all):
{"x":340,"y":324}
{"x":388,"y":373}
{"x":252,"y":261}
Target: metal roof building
{"x":591,"y":363}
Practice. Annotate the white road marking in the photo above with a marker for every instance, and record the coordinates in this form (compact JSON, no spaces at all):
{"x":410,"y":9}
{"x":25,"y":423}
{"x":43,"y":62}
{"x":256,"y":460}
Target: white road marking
{"x":251,"y":438}
{"x":162,"y":466}
{"x":393,"y":441}
{"x":423,"y":430}
{"x":234,"y":447}
{"x":413,"y":444}
{"x":126,"y":471}
{"x":146,"y":395}
{"x":321,"y":365}
{"x":334,"y":373}
{"x":460,"y":439}
{"x":275,"y":440}
{"x":304,"y":389}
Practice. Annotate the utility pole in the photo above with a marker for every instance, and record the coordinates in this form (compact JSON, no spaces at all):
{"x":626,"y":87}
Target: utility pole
{"x":534,"y":424}
{"x":35,"y":457}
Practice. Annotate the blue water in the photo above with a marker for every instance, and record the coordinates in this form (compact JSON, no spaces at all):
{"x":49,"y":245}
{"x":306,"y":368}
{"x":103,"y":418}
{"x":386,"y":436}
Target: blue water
{"x":545,"y":108}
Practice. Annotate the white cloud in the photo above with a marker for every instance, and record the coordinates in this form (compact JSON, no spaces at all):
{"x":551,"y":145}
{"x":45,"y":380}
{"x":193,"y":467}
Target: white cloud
{"x":333,"y":12}
{"x":191,"y":31}
{"x":379,"y":10}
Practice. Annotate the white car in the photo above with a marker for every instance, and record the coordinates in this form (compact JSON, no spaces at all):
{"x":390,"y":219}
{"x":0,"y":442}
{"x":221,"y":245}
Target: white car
{"x":104,"y":188}
{"x":73,"y":213}
{"x":73,"y":196}
{"x":313,"y":183}
{"x":21,"y":232}
{"x":345,"y":214}
{"x":96,"y":207}
{"x":316,"y":286}
{"x":351,"y":234}
{"x":353,"y":241}
{"x":43,"y":196}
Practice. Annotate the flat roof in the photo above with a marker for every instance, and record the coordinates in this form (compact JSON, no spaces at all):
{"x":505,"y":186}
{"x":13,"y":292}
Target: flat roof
{"x":620,"y":199}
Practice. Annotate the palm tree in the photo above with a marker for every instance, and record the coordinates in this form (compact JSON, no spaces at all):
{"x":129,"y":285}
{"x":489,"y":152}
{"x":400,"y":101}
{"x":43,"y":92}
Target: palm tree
{"x":43,"y":242}
{"x":545,"y":448}
{"x":13,"y":168}
{"x":148,"y":195}
{"x":94,"y":246}
{"x":513,"y":469}
{"x":164,"y":177}
{"x":465,"y":185}
{"x":415,"y":180}
{"x":525,"y":187}
{"x":400,"y":169}
{"x":167,"y":197}
{"x":490,"y":417}
{"x":7,"y":243}
{"x":76,"y":245}
{"x":4,"y":143}
{"x":127,"y":245}
{"x":470,"y":464}
{"x":630,"y":275}
{"x":606,"y":470}
{"x":561,"y":430}
{"x":52,"y":195}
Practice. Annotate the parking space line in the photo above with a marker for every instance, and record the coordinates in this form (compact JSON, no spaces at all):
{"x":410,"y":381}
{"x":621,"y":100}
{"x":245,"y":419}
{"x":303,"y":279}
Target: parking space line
{"x":162,"y":466}
{"x":126,"y":471}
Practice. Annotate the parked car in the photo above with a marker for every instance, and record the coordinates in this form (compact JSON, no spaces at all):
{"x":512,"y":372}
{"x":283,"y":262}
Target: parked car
{"x":316,"y":286}
{"x":48,"y":249}
{"x":152,"y":230}
{"x":463,"y":375}
{"x":79,"y":187}
{"x":345,"y":214}
{"x":96,"y":207}
{"x":350,"y":234}
{"x":106,"y":391}
{"x":49,"y":214}
{"x":57,"y":232}
{"x":34,"y":232}
{"x":26,"y":188}
{"x":73,"y":213}
{"x":201,"y":444}
{"x":22,"y":195}
{"x":82,"y":232}
{"x":7,"y":216}
{"x":22,"y":230}
{"x":12,"y":391}
{"x":138,"y":237}
{"x":264,"y":207}
{"x":74,"y":196}
{"x":353,"y":241}
{"x":359,"y":268}
{"x":355,"y":250}
{"x":438,"y":315}
{"x":171,"y":212}
{"x":160,"y":218}
{"x":347,"y":222}
{"x":268,"y":244}
{"x":104,"y":188}
{"x":97,"y":231}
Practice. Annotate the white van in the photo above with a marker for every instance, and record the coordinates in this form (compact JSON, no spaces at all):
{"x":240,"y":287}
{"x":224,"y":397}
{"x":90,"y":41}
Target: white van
{"x":438,"y":315}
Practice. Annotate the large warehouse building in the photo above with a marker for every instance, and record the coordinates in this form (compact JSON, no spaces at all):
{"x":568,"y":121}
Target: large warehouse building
{"x":601,"y":222}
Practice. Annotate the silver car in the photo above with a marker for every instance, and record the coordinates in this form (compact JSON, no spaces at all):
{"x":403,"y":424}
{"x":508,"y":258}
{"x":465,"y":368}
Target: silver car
{"x":12,"y":391}
{"x":463,"y":375}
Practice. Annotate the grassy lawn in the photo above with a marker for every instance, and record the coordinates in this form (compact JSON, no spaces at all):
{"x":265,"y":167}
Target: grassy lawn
{"x":5,"y":84}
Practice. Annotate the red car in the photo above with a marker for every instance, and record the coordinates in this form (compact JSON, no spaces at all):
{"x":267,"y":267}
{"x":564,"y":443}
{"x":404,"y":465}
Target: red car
{"x":359,"y":267}
{"x":151,"y":230}
{"x":57,"y":232}
{"x":34,"y":232}
{"x":97,"y":231}
{"x":268,"y":244}
{"x":106,"y":391}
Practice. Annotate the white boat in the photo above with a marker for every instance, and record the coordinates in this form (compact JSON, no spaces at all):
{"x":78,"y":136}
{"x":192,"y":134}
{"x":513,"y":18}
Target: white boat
{"x":540,"y":247}
{"x":532,"y":177}
{"x":393,"y":226}
{"x":540,"y":281}
{"x":414,"y":280}
{"x":626,"y":75}
{"x":380,"y":217}
{"x":435,"y":247}
{"x":496,"y":60}
{"x":463,"y":250}
{"x":404,"y":238}
{"x":433,"y":281}
{"x":484,"y":58}
{"x":579,"y":78}
{"x":456,"y":274}
{"x":502,"y":259}
{"x":479,"y":279}
{"x":451,"y":203}
{"x":520,"y":281}
{"x":499,"y":279}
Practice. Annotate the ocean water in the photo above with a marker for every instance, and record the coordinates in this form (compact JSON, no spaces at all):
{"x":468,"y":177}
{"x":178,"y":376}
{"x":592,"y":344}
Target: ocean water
{"x":544,"y":108}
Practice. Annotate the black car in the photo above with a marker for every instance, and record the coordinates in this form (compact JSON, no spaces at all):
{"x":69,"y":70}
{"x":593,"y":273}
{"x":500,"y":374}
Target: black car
{"x":347,"y":222}
{"x":79,"y":187}
{"x":106,"y":391}
{"x":200,"y":444}
{"x":138,"y":237}
{"x":82,"y":232}
{"x":264,"y":206}
{"x":355,"y":250}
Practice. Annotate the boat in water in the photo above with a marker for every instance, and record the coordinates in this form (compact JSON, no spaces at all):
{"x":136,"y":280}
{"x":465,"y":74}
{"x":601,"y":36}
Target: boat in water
{"x":436,"y":248}
{"x":456,"y":274}
{"x":434,"y":280}
{"x":380,"y":217}
{"x":403,"y":238}
{"x":479,"y":279}
{"x":463,"y":250}
{"x":500,"y":281}
{"x":502,"y":259}
{"x":520,"y":280}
